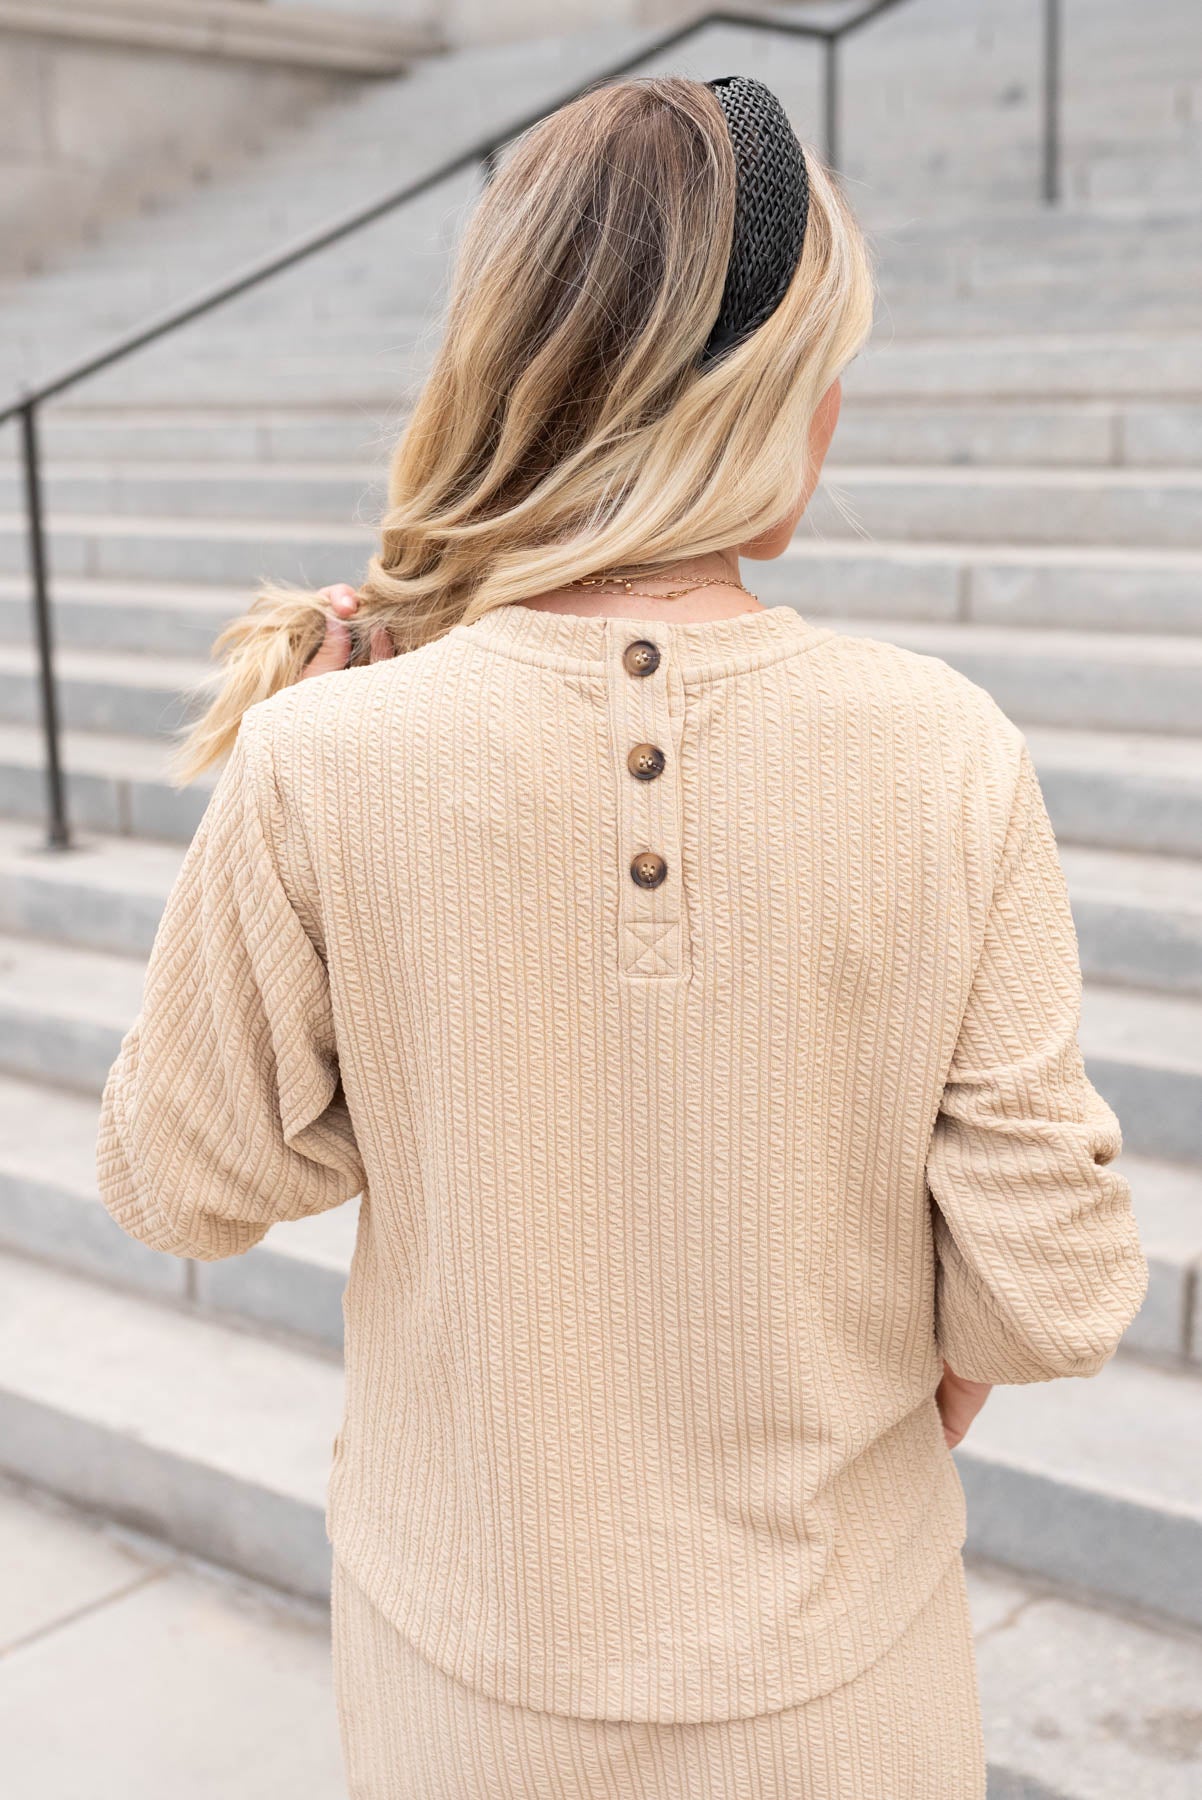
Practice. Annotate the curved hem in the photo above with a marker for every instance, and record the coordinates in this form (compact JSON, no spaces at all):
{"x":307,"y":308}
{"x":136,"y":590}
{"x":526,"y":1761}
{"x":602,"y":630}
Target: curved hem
{"x":841,"y":1650}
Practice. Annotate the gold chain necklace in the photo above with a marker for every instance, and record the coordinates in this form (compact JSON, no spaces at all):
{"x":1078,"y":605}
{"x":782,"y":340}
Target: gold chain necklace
{"x":613,"y":579}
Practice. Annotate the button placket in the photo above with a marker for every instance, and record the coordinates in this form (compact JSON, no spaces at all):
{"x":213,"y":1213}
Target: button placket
{"x":651,"y":937}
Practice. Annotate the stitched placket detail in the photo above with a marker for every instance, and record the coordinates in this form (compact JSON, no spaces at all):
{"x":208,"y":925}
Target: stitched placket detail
{"x":646,"y":714}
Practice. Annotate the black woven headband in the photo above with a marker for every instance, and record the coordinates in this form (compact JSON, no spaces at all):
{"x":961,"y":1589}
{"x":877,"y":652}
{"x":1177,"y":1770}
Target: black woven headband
{"x":772,"y":204}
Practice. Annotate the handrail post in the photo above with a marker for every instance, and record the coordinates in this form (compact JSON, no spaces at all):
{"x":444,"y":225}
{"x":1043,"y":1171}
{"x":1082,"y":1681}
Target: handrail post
{"x":1052,"y":34}
{"x":58,"y":836}
{"x":830,"y":100}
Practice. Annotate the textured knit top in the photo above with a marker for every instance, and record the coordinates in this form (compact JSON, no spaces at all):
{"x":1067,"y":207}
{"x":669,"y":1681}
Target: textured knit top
{"x":695,"y":1006}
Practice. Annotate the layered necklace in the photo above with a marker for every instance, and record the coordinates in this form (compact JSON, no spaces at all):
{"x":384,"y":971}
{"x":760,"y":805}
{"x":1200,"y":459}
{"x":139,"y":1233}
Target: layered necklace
{"x":615,"y":578}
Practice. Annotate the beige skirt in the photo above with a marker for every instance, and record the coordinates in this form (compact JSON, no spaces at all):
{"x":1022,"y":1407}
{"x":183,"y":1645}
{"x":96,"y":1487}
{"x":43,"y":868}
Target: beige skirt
{"x":907,"y":1728}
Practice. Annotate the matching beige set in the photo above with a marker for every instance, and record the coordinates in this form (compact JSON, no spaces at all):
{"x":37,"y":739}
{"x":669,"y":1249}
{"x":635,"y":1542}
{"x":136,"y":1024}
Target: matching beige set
{"x":695,"y":1006}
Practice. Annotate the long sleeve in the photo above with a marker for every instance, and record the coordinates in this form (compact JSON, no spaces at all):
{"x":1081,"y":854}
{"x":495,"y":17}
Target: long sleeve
{"x":1040,"y":1268}
{"x":224,"y":1112}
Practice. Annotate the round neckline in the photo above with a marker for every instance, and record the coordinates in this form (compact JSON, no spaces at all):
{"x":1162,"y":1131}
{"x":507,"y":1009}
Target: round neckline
{"x":698,"y":648}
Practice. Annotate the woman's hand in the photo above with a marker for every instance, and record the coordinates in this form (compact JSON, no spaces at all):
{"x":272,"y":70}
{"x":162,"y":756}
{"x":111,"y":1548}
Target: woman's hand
{"x":959,"y":1401}
{"x":335,"y":647}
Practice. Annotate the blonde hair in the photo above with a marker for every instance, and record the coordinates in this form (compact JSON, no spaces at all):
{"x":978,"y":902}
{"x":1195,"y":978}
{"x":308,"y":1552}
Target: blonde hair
{"x":566,"y":425}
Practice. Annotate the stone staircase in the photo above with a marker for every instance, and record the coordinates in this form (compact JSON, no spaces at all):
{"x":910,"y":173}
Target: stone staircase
{"x":1016,"y":487}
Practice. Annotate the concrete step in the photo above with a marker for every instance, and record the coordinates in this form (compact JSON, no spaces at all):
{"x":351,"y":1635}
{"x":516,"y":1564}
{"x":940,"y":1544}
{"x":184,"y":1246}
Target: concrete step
{"x":1067,"y":364}
{"x":1145,"y":590}
{"x":168,"y":618}
{"x":307,"y":491}
{"x":64,"y":1010}
{"x":1089,"y":304}
{"x":1167,"y":1198}
{"x":104,"y":690}
{"x":1144,"y":1054}
{"x":1006,"y":244}
{"x":1124,"y":791}
{"x":293,"y":1281}
{"x":336,"y":435}
{"x":1062,"y":366}
{"x":1094,"y":303}
{"x":236,"y":552}
{"x":299,"y":181}
{"x":114,"y":299}
{"x":1004,"y":247}
{"x":397,"y":294}
{"x":114,"y":784}
{"x":301,"y":200}
{"x":276,"y":191}
{"x":216,"y":1440}
{"x":1074,"y":586}
{"x":307,"y":319}
{"x":920,"y":258}
{"x":226,"y":227}
{"x":1121,"y":508}
{"x":1115,"y":681}
{"x":1092,"y":1482}
{"x":952,"y":293}
{"x":270,"y":376}
{"x":1121,"y":790}
{"x":1018,"y":241}
{"x":1158,"y":508}
{"x":1130,"y":180}
{"x":107,"y":893}
{"x":1139,"y":918}
{"x":1142,"y":591}
{"x":304,"y":194}
{"x":299,"y":331}
{"x":1082,"y":433}
{"x":1125,"y":682}
{"x":1107,"y":591}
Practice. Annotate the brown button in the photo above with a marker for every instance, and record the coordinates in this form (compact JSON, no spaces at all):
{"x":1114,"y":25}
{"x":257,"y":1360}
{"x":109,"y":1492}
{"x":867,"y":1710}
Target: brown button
{"x":645,"y":762}
{"x":648,"y":868}
{"x":641,"y":657}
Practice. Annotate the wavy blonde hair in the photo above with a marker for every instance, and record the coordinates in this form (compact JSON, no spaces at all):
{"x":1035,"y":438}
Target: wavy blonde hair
{"x":566,"y":425}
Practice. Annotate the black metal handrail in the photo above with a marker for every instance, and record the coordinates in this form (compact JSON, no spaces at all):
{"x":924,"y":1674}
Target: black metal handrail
{"x":482,"y":154}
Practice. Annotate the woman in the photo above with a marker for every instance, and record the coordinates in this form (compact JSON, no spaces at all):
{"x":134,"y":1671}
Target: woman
{"x":691,"y":992}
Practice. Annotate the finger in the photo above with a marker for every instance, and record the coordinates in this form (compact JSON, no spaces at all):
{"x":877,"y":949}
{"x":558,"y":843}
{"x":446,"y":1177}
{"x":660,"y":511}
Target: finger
{"x":333,"y":651}
{"x":382,"y":646}
{"x":343,"y":599}
{"x":954,"y":1426}
{"x":951,"y":1414}
{"x":959,"y":1401}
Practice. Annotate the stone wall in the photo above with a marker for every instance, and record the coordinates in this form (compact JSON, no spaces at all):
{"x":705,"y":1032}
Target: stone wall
{"x":497,"y":21}
{"x":114,"y":105}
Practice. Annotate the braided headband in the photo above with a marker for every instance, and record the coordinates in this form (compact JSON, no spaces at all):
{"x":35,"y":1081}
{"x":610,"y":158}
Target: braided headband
{"x":772,"y":204}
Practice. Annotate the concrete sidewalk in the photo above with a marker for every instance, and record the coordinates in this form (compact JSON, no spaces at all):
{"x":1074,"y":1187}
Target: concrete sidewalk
{"x":129,"y":1672}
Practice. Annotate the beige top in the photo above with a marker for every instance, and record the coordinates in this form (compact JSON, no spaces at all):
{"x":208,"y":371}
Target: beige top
{"x":644,"y":1076}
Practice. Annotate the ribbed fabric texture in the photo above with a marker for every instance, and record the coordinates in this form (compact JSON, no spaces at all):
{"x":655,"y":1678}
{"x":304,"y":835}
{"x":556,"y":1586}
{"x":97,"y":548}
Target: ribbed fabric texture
{"x":673,"y":1196}
{"x":907,"y":1728}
